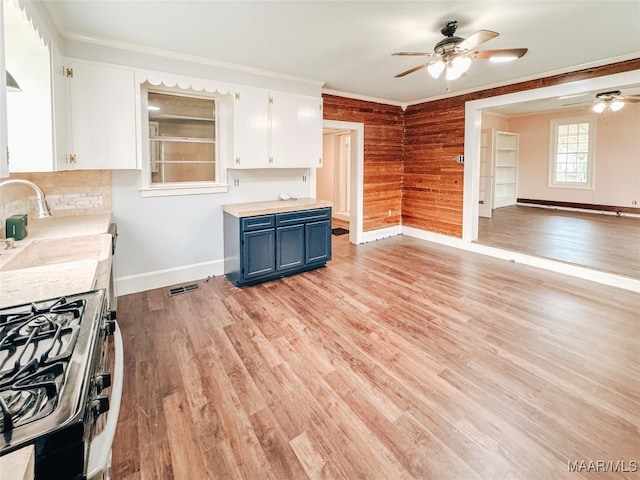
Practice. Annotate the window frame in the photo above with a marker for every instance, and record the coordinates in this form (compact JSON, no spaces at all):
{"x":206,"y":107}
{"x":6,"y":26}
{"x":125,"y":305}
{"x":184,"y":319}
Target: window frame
{"x":219,"y":185}
{"x":553,"y":148}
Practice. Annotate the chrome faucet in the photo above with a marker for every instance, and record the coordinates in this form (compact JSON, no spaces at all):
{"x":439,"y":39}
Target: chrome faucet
{"x":43,"y":209}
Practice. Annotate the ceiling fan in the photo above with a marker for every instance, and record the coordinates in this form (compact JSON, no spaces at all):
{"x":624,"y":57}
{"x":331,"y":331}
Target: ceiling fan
{"x":454,"y":54}
{"x":605,"y":101}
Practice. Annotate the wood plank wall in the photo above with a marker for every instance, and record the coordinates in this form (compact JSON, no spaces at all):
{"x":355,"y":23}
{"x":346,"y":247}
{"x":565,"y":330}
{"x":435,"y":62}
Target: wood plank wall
{"x":430,"y":178}
{"x":383,"y":143}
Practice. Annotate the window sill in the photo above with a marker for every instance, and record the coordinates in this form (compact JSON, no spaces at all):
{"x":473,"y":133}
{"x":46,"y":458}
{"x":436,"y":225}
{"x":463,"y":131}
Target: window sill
{"x":573,"y":186}
{"x":187,"y":189}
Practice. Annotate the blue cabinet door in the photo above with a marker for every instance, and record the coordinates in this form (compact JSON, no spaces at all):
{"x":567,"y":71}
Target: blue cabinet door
{"x":318,"y":241}
{"x":258,"y":253}
{"x":289,"y":247}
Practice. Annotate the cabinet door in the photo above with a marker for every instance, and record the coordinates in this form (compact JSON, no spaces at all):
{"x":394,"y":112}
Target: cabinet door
{"x":318,"y":241}
{"x":250,"y":129}
{"x":283,"y":130}
{"x":4,"y":165}
{"x":103,"y":113}
{"x":258,"y":253}
{"x":290,"y":247}
{"x":309,"y":132}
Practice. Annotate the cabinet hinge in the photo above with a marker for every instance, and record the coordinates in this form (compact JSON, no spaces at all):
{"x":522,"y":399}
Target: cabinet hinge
{"x":237,"y":160}
{"x":270,"y":100}
{"x":270,"y":160}
{"x":320,"y":161}
{"x":237,"y":95}
{"x":71,"y":158}
{"x":68,"y":72}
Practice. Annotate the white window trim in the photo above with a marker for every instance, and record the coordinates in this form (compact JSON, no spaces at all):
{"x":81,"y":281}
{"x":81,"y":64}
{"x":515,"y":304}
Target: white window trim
{"x":553,"y":130}
{"x":148,"y":189}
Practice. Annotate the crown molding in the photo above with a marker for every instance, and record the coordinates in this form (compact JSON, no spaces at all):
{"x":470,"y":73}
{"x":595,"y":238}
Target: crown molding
{"x":184,"y":57}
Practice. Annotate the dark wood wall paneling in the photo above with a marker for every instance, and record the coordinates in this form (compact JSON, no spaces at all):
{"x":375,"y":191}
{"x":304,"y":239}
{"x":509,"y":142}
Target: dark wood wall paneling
{"x":424,"y":165}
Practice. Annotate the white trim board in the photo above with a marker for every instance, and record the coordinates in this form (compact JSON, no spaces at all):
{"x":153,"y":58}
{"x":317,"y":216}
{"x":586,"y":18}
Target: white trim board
{"x":604,"y":278}
{"x":170,"y":276}
{"x":173,"y":276}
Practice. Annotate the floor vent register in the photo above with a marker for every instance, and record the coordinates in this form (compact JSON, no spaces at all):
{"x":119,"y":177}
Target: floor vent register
{"x":184,"y":289}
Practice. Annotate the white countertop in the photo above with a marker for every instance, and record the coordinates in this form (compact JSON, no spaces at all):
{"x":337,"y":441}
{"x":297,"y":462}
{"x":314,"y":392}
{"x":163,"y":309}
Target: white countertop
{"x":277,"y":206}
{"x":40,"y":282}
{"x":70,"y":275}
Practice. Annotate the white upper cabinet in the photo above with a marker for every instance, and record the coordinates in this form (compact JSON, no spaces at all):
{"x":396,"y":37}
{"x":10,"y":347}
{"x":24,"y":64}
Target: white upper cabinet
{"x":250,"y":128}
{"x":4,"y":166}
{"x":29,"y":124}
{"x":283,"y":127}
{"x":102,"y":116}
{"x":309,"y":132}
{"x":276,"y":130}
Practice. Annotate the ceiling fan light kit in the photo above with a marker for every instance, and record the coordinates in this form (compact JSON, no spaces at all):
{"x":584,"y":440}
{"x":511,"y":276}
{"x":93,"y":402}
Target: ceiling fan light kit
{"x":609,"y":101}
{"x":454,"y":54}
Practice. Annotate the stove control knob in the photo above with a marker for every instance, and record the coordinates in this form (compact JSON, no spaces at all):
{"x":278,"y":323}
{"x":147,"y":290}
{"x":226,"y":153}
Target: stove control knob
{"x":110,"y":322}
{"x":103,"y":380}
{"x":100,"y":405}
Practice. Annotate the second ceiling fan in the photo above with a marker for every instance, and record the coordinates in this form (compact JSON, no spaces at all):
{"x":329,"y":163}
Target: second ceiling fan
{"x":454,"y":54}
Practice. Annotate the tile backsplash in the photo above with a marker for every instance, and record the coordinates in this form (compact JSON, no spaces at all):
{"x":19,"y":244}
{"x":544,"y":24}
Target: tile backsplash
{"x":79,"y":192}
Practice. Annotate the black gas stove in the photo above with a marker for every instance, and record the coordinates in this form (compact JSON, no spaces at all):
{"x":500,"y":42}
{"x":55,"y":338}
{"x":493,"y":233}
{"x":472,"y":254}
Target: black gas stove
{"x":54,"y":383}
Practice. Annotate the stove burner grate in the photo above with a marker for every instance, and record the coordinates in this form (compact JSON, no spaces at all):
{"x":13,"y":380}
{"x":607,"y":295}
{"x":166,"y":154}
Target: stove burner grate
{"x":36,"y":344}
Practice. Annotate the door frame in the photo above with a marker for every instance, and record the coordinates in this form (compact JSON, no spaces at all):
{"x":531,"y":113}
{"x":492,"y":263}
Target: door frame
{"x":473,"y":125}
{"x":356,"y":178}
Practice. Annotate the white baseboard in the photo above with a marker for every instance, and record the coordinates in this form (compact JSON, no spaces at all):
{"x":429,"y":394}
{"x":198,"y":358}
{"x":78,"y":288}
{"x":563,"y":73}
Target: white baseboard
{"x":373,"y":235}
{"x":581,"y":210}
{"x":165,"y":278}
{"x":344,"y":216}
{"x":604,"y":278}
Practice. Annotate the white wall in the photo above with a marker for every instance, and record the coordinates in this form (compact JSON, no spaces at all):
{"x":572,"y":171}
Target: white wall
{"x":168,"y":240}
{"x":325,"y":175}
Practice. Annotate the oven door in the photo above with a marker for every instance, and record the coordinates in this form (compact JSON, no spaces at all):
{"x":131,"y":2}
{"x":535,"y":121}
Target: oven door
{"x":99,"y":463}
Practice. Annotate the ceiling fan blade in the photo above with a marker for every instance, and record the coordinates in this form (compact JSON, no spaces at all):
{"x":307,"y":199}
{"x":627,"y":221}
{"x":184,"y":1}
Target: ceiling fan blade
{"x":504,"y":53}
{"x":631,"y":99}
{"x":476,"y":39}
{"x":413,"y":54}
{"x":411,"y":70}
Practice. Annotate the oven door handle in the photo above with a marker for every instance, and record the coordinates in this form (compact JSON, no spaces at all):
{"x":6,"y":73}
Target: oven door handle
{"x":100,"y":451}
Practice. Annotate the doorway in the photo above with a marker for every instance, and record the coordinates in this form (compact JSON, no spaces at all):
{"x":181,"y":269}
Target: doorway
{"x":340,"y":180}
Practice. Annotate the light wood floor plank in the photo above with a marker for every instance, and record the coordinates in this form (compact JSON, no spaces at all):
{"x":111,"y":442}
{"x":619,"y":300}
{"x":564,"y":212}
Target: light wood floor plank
{"x":400,"y":359}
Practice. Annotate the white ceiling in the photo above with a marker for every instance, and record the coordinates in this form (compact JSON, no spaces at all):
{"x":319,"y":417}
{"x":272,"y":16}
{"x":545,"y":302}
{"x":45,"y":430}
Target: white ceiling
{"x":348,"y":45}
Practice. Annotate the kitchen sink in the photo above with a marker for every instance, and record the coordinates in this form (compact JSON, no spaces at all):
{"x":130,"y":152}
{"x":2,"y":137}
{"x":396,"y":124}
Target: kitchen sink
{"x":61,"y":250}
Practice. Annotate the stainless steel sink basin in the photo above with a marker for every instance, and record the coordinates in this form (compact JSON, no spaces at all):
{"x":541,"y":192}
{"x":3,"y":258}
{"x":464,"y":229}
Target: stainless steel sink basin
{"x":61,"y":250}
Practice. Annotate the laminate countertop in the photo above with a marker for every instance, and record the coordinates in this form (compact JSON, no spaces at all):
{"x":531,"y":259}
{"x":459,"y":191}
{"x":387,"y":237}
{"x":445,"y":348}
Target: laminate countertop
{"x":59,"y":256}
{"x":277,"y":206}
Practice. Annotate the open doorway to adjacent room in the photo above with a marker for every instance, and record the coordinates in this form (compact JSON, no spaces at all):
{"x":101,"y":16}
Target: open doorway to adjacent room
{"x":339,"y":180}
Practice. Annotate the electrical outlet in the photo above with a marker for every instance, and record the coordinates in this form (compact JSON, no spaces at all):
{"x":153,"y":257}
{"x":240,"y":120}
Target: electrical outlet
{"x":389,"y":212}
{"x":460,"y":159}
{"x":634,"y":202}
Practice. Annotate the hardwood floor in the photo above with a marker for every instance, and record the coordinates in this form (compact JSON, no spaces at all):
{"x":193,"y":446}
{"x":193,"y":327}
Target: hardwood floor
{"x":604,"y":242}
{"x":399,"y":360}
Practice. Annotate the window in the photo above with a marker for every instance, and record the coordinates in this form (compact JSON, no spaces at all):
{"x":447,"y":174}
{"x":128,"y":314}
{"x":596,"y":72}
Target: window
{"x":183,"y":140}
{"x":572,"y":146}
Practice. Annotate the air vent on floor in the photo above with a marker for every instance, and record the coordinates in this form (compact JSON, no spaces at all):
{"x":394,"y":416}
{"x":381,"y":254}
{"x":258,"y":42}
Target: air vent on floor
{"x":183,"y":289}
